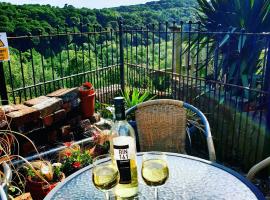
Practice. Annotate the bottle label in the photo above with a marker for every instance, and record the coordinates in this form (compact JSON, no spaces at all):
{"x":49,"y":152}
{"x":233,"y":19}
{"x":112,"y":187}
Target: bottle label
{"x":123,"y":150}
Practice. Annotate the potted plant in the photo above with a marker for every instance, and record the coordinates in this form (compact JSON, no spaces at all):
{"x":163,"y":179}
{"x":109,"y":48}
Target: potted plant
{"x":101,"y":142}
{"x":42,"y":177}
{"x":70,"y":146}
{"x":75,"y":160}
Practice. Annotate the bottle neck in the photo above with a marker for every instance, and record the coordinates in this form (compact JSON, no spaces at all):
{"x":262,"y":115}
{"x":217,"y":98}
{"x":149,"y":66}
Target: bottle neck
{"x":120,"y":114}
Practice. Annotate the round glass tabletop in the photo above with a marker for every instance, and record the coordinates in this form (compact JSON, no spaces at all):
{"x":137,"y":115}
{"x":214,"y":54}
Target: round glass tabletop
{"x":190,"y":178}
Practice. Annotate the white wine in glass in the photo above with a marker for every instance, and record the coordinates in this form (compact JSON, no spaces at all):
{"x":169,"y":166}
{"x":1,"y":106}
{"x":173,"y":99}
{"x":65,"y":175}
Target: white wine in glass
{"x":155,"y":171}
{"x":105,"y":174}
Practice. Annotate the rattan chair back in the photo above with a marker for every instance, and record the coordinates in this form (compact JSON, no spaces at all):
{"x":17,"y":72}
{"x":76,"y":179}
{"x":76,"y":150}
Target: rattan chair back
{"x":161,"y":125}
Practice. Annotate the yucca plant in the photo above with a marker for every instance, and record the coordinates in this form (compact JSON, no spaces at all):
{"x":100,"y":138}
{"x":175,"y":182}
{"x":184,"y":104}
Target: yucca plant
{"x":240,"y":56}
{"x":135,"y":97}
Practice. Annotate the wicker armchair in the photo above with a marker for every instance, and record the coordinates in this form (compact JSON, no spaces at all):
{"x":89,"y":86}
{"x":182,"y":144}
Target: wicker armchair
{"x":161,"y":125}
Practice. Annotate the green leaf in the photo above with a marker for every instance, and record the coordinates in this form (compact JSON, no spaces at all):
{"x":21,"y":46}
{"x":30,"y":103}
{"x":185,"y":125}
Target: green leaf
{"x":226,"y":38}
{"x":245,"y":84}
{"x":241,"y":42}
{"x":251,"y":3}
{"x":221,"y":100}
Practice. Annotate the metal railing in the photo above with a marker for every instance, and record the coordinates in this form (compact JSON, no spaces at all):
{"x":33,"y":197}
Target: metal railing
{"x":223,"y":73}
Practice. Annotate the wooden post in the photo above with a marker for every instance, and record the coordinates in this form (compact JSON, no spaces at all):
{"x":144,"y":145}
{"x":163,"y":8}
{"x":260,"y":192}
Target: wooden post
{"x":3,"y":88}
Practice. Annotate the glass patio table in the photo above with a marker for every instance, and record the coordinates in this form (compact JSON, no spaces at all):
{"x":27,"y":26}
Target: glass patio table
{"x":190,"y":178}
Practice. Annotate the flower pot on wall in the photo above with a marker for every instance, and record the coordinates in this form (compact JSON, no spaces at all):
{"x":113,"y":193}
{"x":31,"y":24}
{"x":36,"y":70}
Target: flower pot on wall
{"x":38,"y":188}
{"x":87,"y":96}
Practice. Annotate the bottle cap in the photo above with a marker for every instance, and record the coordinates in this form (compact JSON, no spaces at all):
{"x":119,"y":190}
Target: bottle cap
{"x":118,"y":100}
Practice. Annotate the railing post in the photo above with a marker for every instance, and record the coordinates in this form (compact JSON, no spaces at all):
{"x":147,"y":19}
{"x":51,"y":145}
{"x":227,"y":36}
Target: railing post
{"x":121,"y":49}
{"x":3,"y":88}
{"x":266,"y":88}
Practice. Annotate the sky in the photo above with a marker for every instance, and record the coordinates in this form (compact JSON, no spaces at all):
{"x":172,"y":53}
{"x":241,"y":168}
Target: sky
{"x":80,"y":3}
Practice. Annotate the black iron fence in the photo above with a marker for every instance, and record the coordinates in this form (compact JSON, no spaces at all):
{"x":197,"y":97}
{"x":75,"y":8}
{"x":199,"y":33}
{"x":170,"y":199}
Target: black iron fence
{"x":224,"y":73}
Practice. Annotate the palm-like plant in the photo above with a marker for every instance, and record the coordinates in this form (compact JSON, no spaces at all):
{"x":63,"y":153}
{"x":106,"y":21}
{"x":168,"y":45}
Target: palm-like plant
{"x":240,"y":55}
{"x":135,"y":97}
{"x":252,"y":15}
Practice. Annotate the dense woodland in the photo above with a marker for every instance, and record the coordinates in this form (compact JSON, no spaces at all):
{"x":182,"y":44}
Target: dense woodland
{"x":22,"y":19}
{"x":40,"y":59}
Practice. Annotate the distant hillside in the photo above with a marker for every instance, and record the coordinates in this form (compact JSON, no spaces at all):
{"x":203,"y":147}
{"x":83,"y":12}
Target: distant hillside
{"x":21,"y":19}
{"x":159,"y":11}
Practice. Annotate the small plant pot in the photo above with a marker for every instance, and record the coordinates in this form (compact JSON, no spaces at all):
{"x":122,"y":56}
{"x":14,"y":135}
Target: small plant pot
{"x":88,"y":105}
{"x":39,"y":189}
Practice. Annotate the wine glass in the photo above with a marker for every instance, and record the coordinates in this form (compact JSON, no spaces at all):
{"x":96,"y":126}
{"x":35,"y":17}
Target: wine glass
{"x":105,"y":174}
{"x":155,"y":171}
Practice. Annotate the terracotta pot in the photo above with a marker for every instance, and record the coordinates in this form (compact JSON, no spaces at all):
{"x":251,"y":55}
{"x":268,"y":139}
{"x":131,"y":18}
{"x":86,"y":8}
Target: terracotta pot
{"x":87,"y":96}
{"x":39,"y":189}
{"x":88,"y":105}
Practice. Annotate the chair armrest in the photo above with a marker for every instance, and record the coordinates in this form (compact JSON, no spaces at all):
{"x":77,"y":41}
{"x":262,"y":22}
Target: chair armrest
{"x":256,"y":168}
{"x":207,"y":131}
{"x":211,"y":149}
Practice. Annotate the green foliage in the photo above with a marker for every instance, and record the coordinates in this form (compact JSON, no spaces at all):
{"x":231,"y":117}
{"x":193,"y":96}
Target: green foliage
{"x":105,"y":110}
{"x":30,"y":172}
{"x":43,"y":170}
{"x":75,"y":160}
{"x":135,"y":97}
{"x":253,"y":16}
{"x":239,"y":54}
{"x":161,"y":81}
{"x":57,"y":172}
{"x":21,"y":19}
{"x":41,"y":59}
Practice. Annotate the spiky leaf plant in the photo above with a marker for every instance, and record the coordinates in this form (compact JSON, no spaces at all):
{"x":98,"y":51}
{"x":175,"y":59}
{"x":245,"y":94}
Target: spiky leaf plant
{"x":240,"y":56}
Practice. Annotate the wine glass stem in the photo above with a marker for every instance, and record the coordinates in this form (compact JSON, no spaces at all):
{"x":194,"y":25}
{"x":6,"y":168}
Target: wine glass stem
{"x":107,"y":196}
{"x":156,"y":193}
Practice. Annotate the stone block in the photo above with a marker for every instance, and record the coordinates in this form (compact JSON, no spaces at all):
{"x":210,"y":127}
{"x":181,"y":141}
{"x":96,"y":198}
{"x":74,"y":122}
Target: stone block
{"x":75,"y":121}
{"x":59,"y":115}
{"x":35,"y":101}
{"x":27,"y":148}
{"x":67,"y":134}
{"x":75,"y":103}
{"x":66,"y":106}
{"x":48,"y":107}
{"x":65,"y":130}
{"x":52,"y":136}
{"x":66,"y":94}
{"x":85,"y":125}
{"x":3,"y":121}
{"x":11,"y":108}
{"x":48,"y":120}
{"x":23,"y":116}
